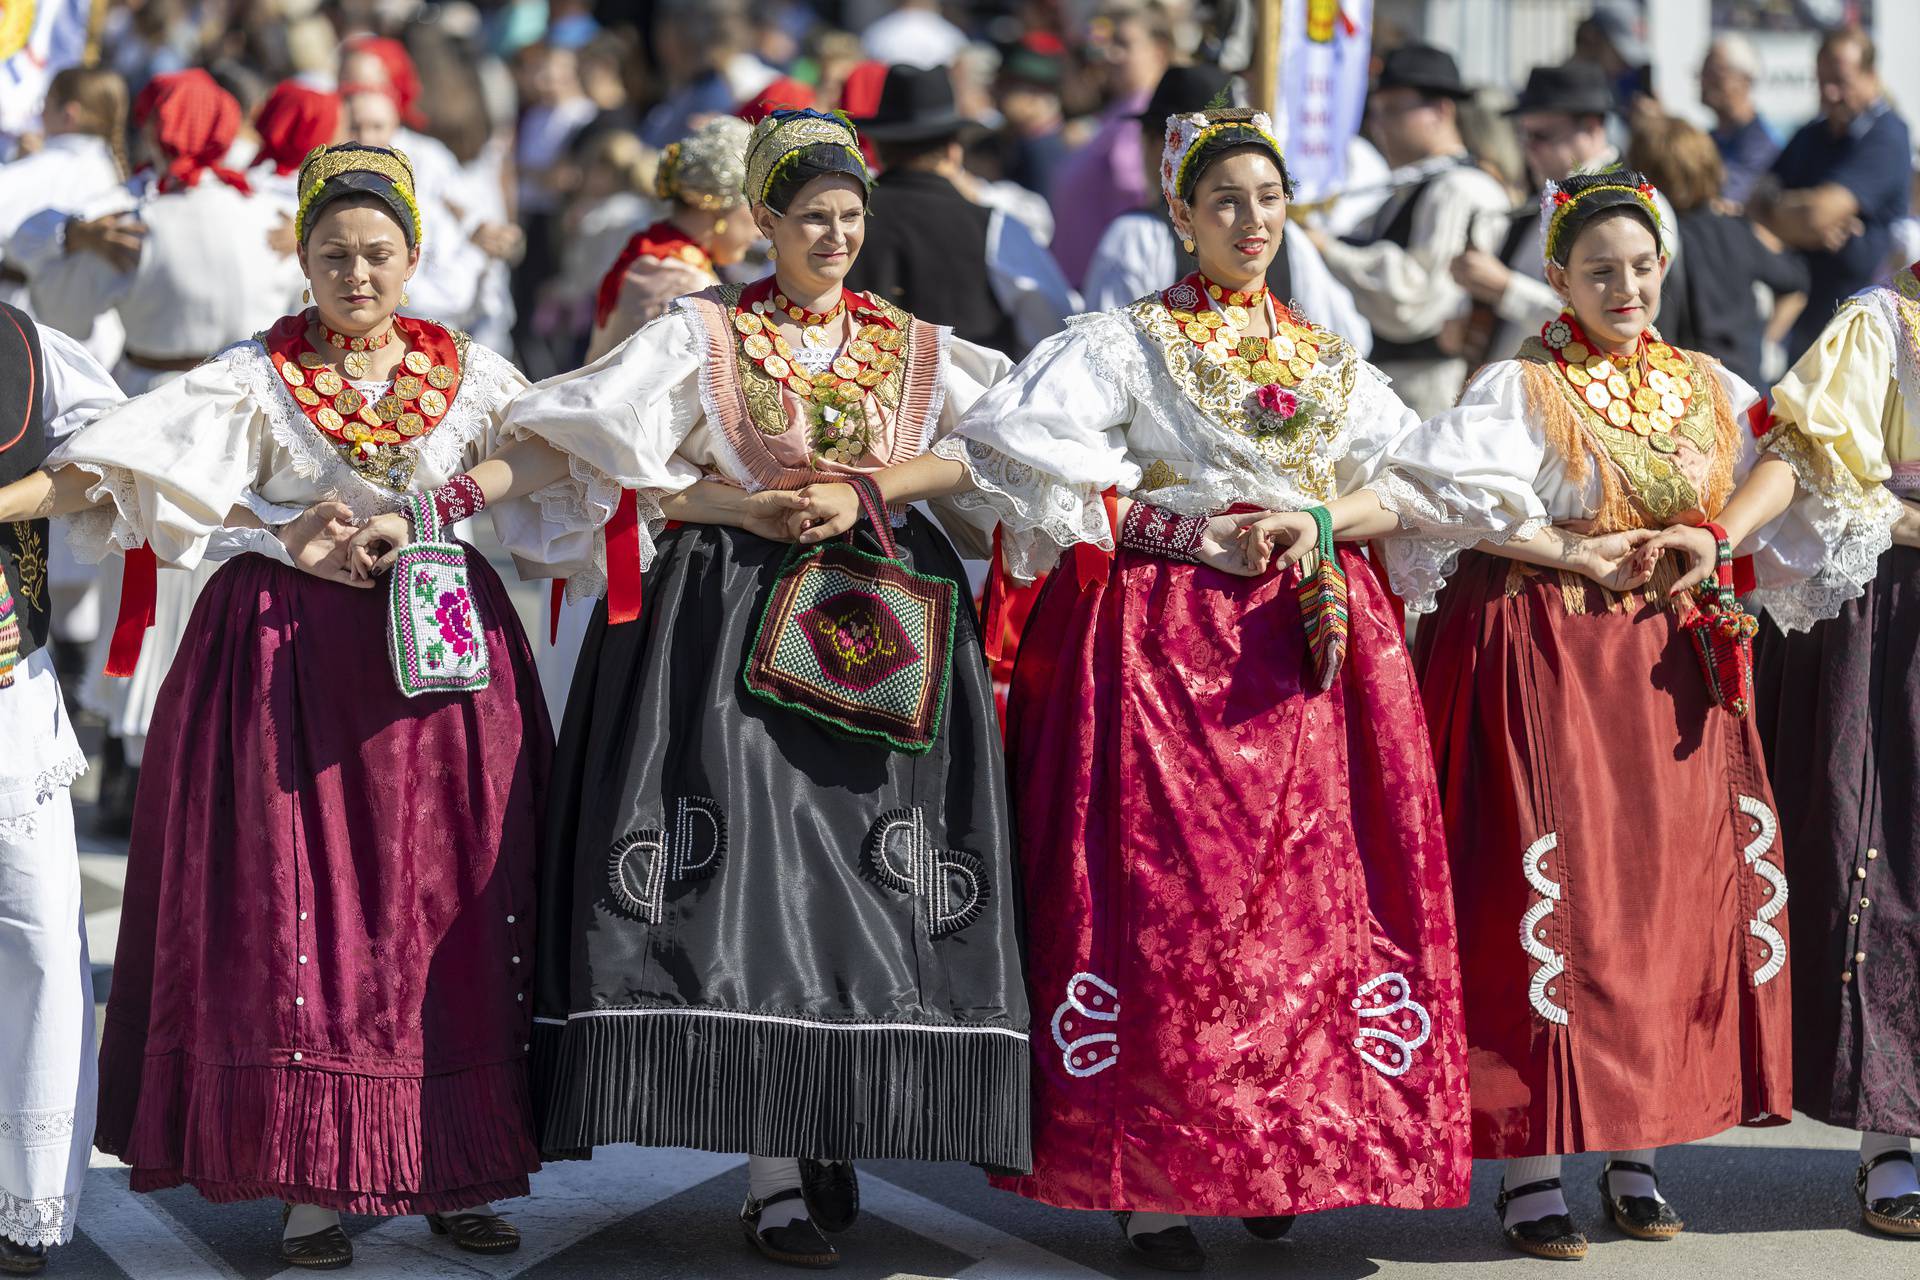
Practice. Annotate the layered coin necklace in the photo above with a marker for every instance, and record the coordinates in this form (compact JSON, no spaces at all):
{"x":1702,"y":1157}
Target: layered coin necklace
{"x":832,"y":381}
{"x":1214,"y":318}
{"x":370,"y":432}
{"x":1646,"y":393}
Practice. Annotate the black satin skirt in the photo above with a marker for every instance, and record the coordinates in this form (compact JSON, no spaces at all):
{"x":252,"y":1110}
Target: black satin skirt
{"x":728,"y":956}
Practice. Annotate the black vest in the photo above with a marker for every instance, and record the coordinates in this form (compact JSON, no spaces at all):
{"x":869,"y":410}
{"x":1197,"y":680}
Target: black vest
{"x":1398,"y":229}
{"x":23,"y":447}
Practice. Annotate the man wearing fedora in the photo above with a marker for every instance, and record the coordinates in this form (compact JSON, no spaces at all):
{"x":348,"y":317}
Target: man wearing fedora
{"x":1139,"y":253}
{"x":1398,"y":265}
{"x":935,"y":251}
{"x":1561,"y":118}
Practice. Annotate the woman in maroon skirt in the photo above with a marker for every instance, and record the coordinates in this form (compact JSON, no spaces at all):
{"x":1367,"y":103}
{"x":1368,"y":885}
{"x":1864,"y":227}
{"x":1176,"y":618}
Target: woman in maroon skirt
{"x":1241,"y":928}
{"x":1613,"y":835}
{"x":319,"y":993}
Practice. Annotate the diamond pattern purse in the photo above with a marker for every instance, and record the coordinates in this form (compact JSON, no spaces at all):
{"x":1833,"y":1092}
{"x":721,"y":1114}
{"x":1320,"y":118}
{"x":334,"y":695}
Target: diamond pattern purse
{"x":857,"y":642}
{"x":435,"y":636}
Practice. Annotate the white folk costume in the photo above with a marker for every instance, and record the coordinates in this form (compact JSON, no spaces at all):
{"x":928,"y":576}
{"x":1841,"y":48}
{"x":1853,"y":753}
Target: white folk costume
{"x":376,"y":850}
{"x":49,"y":386}
{"x":207,"y":277}
{"x":756,"y":934}
{"x":1601,"y":797}
{"x":1230,"y":837}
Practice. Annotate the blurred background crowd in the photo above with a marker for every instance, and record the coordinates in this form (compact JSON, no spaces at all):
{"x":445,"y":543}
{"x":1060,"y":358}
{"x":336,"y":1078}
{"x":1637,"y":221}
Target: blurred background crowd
{"x":537,"y":125}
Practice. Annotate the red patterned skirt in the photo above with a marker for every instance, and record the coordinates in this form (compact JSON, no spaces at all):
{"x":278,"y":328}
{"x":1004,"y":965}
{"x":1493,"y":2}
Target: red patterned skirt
{"x":1620,"y":885}
{"x":328,"y":926}
{"x":1241,"y":952}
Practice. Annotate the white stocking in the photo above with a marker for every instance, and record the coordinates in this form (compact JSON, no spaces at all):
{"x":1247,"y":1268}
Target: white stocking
{"x":307,"y":1219}
{"x":1627,"y":1182}
{"x":1540,"y":1204}
{"x":1893,"y":1177}
{"x":769,"y":1174}
{"x":1146,"y":1224}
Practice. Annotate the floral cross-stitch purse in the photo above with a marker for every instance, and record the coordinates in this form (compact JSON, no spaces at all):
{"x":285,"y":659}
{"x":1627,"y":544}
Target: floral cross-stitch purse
{"x":858,"y":642}
{"x":434,"y":632}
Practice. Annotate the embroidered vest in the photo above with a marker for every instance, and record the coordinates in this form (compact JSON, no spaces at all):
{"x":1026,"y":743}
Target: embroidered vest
{"x":760,"y":424}
{"x":1640,"y":486}
{"x":23,"y":447}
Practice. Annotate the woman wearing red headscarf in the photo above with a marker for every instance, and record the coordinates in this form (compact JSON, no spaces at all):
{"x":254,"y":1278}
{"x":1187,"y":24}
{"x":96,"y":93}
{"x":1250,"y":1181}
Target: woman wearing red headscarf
{"x":184,"y":258}
{"x":291,"y":122}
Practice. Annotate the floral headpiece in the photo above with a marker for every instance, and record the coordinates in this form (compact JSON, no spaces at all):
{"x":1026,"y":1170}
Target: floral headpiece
{"x":1187,"y":134}
{"x":707,"y":169}
{"x":1557,"y":204}
{"x":351,"y":168}
{"x":779,"y":140}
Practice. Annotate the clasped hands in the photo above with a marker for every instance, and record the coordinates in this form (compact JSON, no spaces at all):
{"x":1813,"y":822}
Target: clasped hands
{"x":326,"y":541}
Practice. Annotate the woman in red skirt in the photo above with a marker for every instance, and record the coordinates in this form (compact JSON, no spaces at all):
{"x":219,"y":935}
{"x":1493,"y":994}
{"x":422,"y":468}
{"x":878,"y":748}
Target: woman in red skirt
{"x":1612,"y":830}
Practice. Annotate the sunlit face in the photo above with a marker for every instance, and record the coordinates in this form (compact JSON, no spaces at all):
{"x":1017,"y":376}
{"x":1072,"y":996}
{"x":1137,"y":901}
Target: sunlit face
{"x":1722,"y":87}
{"x":1237,"y":215}
{"x":358,"y":263}
{"x":1404,"y":123}
{"x":1135,"y":60}
{"x":372,"y":117}
{"x":1612,"y":279}
{"x":816,"y":241}
{"x":1846,"y":87}
{"x":731,"y":242}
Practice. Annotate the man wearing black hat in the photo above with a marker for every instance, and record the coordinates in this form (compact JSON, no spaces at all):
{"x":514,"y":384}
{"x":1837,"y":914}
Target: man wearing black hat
{"x":1398,"y":264}
{"x":934,"y":251}
{"x":1138,"y":254}
{"x":1562,"y":121}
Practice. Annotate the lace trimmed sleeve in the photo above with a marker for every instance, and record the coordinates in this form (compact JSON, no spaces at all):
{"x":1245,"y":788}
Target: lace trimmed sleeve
{"x":621,"y":421}
{"x":1828,"y":425}
{"x":168,"y":465}
{"x":1465,"y":477}
{"x":1043,"y":444}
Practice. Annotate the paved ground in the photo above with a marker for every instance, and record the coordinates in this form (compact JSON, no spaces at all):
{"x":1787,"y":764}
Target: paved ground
{"x":1776,"y":1203}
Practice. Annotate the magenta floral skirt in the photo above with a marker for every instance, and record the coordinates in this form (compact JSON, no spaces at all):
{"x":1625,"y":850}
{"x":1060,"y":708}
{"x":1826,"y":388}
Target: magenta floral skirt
{"x":1242,"y":962}
{"x":327,"y":935}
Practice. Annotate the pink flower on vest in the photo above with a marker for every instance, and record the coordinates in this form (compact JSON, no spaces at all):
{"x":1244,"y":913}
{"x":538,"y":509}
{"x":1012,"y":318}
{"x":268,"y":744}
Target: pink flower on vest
{"x":1277,"y":400}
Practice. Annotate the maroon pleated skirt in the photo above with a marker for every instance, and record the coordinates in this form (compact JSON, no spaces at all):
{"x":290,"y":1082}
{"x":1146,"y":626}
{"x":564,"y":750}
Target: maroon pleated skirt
{"x":327,"y":929}
{"x":1617,"y":871}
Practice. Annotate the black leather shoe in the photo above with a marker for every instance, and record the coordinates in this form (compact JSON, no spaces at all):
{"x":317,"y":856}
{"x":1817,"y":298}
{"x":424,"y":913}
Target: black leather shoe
{"x":798,"y":1244}
{"x":476,"y":1232}
{"x":1175,"y":1249}
{"x":1552,"y":1237}
{"x":325,"y":1250}
{"x":1889,"y":1215}
{"x":22,"y":1259}
{"x":1642,"y":1217}
{"x":832,"y":1190}
{"x":1271,"y":1227}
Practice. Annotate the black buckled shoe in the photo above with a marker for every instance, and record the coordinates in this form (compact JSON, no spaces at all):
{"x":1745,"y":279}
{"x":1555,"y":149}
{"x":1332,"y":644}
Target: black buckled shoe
{"x":798,"y":1244}
{"x":1552,"y":1237}
{"x":22,"y":1259}
{"x":476,"y":1232}
{"x":832,"y":1190}
{"x":1889,"y":1215}
{"x":1642,"y":1217}
{"x":328,"y":1249}
{"x":1175,"y":1249}
{"x":1271,"y":1227}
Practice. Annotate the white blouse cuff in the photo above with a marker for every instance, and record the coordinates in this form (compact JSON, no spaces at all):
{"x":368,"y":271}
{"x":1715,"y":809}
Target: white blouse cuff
{"x":1040,"y":515}
{"x":1850,"y":520}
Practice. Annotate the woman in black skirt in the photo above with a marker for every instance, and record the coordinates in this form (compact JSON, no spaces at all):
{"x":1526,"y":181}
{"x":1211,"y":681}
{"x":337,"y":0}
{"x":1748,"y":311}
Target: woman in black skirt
{"x":1839,"y":711}
{"x":758,"y":932}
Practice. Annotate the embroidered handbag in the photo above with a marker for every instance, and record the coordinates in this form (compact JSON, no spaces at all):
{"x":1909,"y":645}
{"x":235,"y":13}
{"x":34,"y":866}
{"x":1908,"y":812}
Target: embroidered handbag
{"x":856,"y":641}
{"x":1323,"y":602}
{"x":434,"y":631}
{"x":1722,"y":633}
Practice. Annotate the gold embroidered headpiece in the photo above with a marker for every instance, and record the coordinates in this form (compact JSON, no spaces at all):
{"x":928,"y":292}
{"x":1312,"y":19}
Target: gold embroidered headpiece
{"x":782,"y":137}
{"x":1192,"y":134}
{"x":1587,"y":194}
{"x":350,"y":169}
{"x":707,"y":169}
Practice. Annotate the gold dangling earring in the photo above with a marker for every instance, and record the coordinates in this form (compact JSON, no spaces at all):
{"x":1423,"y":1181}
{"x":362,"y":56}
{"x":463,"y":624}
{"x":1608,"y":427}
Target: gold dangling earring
{"x":306,"y":295}
{"x":719,"y":226}
{"x":1188,"y":242}
{"x":771,"y":252}
{"x":404,"y":299}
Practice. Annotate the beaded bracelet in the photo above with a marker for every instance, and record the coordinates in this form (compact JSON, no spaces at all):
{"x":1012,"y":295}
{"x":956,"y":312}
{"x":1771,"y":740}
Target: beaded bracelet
{"x":1156,"y":531}
{"x":457,"y":499}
